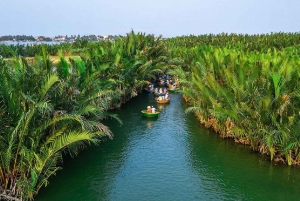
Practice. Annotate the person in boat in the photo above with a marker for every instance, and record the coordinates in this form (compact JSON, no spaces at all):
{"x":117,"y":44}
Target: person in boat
{"x":165,"y":90}
{"x":153,"y":109}
{"x":156,"y":90}
{"x":149,"y":109}
{"x":167,"y":95}
{"x":149,"y":88}
{"x":160,"y":91}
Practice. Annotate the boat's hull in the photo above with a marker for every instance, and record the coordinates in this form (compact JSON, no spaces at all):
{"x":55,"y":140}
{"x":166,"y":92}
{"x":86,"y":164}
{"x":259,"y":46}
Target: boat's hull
{"x":146,"y":114}
{"x":164,"y":101}
{"x":173,"y":90}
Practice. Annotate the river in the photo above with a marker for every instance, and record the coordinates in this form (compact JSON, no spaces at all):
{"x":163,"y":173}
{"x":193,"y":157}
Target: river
{"x":171,"y":158}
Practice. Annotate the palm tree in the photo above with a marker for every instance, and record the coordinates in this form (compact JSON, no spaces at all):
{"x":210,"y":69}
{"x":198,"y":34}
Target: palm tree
{"x":35,"y":130}
{"x":248,"y":96}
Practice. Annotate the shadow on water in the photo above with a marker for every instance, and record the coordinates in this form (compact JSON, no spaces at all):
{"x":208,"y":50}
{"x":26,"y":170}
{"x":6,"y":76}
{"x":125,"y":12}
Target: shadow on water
{"x":168,"y":158}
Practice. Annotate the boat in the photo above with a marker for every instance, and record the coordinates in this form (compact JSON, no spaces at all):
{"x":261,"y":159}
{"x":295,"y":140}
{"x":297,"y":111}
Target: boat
{"x":172,"y":90}
{"x":146,"y":114}
{"x":163,"y":101}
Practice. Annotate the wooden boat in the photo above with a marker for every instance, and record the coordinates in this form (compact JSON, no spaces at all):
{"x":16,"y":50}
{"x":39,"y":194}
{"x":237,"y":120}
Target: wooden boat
{"x":171,"y":90}
{"x":146,"y":114}
{"x":163,"y":101}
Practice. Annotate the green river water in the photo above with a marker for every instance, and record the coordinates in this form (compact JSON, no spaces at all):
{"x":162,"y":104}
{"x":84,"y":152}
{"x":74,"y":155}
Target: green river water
{"x":171,"y":158}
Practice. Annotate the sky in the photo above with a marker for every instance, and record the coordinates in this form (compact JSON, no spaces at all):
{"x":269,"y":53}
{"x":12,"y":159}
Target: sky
{"x":168,"y":18}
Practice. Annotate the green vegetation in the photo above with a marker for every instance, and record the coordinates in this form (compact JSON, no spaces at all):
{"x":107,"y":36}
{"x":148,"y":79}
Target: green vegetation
{"x":49,"y":110}
{"x":246,"y":88}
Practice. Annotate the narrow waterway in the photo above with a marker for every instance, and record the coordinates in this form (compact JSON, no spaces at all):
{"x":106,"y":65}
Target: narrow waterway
{"x":168,"y":159}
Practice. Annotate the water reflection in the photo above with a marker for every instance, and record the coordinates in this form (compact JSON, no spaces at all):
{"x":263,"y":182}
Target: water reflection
{"x":161,"y":107}
{"x":149,"y":124}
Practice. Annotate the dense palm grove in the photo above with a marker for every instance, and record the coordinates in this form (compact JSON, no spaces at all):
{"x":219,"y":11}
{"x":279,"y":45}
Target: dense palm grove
{"x":48,"y":110}
{"x":245,"y":87}
{"x":242,"y":86}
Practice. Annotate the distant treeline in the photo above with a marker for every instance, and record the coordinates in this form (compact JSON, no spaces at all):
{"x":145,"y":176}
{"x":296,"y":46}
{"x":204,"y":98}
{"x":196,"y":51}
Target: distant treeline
{"x":65,"y":38}
{"x":8,"y":51}
{"x":75,"y":44}
{"x":255,"y":42}
{"x":24,"y":38}
{"x":30,"y":50}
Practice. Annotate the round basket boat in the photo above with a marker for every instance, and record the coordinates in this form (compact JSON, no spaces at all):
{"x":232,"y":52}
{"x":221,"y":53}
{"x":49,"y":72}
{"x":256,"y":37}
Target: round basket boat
{"x":173,"y":90}
{"x":163,"y":101}
{"x":146,"y":114}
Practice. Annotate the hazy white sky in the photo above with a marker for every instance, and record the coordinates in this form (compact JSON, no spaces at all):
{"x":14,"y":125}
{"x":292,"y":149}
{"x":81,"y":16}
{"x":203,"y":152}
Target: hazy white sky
{"x":166,"y":17}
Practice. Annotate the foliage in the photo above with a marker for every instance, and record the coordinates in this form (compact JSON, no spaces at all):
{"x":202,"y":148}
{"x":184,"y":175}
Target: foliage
{"x":49,"y":110}
{"x":252,"y":97}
